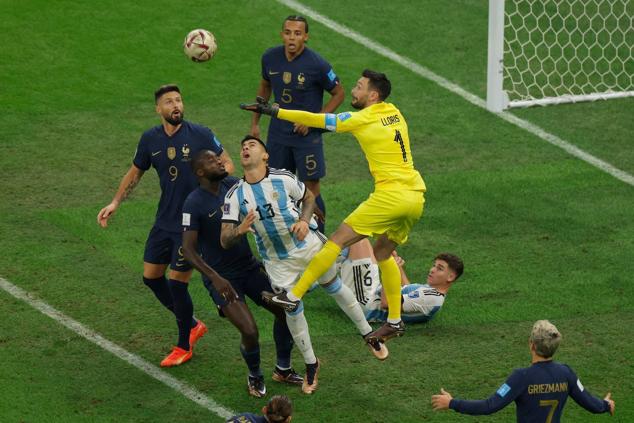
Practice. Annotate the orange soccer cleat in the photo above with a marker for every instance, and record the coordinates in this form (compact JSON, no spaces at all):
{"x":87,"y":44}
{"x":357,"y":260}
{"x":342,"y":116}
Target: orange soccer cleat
{"x":177,"y":357}
{"x":196,"y":333}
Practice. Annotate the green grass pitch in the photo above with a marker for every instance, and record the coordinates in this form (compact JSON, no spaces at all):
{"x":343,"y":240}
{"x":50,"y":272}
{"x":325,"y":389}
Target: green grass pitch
{"x":543,"y":234}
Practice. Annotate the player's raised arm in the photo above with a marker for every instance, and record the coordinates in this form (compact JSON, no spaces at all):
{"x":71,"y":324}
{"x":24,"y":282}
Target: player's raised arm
{"x":342,"y":122}
{"x":231,"y":232}
{"x":127,"y":185}
{"x":264,"y":91}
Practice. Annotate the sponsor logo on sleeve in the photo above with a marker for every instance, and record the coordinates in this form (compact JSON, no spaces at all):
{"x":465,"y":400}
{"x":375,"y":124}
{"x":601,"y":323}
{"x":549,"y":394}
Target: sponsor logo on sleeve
{"x":503,"y":390}
{"x":344,"y":116}
{"x":226,"y":208}
{"x":579,"y":385}
{"x":187,"y":218}
{"x":332,"y":75}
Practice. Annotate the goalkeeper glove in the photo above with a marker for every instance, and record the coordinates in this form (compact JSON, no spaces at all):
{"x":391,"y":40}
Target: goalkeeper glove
{"x":261,"y":106}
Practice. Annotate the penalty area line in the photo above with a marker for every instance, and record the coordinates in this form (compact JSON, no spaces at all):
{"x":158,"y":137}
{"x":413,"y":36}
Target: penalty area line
{"x":146,"y":367}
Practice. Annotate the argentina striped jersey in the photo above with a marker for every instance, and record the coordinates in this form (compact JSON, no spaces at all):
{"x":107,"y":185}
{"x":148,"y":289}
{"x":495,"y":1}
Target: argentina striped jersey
{"x":275,"y":200}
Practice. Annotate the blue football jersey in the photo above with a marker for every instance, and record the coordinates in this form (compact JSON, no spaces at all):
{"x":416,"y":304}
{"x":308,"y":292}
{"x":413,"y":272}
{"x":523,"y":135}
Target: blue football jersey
{"x":296,"y":85}
{"x":540,"y":393}
{"x":171,"y":157}
{"x":202,"y":212}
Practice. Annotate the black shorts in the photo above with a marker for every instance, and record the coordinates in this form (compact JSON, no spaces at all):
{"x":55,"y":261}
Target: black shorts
{"x":251,"y":285}
{"x":306,"y":160}
{"x":164,"y":247}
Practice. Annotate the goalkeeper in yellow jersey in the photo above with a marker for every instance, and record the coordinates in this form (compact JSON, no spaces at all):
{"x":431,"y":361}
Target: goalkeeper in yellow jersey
{"x":390,"y":211}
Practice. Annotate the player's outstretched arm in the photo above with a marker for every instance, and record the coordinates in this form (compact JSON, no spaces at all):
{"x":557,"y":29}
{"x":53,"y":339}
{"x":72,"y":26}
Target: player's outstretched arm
{"x":127,"y":185}
{"x":190,"y":248}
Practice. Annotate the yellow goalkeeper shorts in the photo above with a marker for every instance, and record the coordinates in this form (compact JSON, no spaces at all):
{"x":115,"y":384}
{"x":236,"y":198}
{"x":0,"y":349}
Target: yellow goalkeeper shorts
{"x":393,"y":213}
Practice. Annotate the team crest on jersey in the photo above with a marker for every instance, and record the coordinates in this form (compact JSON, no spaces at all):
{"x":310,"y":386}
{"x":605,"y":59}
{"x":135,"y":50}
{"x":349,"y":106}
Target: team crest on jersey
{"x":287,"y":77}
{"x":171,"y":153}
{"x":275,"y":195}
{"x":301,"y":79}
{"x":185,"y":151}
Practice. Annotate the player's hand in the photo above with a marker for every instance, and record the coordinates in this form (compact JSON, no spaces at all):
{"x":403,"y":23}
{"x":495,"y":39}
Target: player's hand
{"x":610,"y":401}
{"x":224,"y":288}
{"x":245,"y":225}
{"x":262,"y":107}
{"x":441,"y":401}
{"x":105,"y":214}
{"x":300,"y":229}
{"x":400,"y":262}
{"x":300,"y":129}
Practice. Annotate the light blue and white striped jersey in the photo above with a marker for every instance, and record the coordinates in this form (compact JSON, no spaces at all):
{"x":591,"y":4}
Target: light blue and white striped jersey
{"x":420,"y":304}
{"x":275,"y":201}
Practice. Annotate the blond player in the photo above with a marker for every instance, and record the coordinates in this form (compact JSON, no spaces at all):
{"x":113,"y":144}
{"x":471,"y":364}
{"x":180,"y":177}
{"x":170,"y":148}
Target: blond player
{"x":391,"y":210}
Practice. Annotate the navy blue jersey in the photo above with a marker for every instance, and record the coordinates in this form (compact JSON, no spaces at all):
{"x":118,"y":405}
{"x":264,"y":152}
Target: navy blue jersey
{"x":539,"y":391}
{"x":170,"y":156}
{"x":202,"y":212}
{"x":247,"y":418}
{"x":297,"y":85}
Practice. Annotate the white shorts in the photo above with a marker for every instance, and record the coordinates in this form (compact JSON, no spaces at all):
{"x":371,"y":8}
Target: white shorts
{"x":284,"y":273}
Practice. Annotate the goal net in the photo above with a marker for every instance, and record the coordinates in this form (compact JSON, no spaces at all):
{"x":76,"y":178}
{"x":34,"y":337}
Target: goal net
{"x":559,"y":51}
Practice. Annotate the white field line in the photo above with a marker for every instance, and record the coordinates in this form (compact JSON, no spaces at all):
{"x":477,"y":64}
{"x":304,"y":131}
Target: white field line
{"x":181,"y":387}
{"x":456,"y":89}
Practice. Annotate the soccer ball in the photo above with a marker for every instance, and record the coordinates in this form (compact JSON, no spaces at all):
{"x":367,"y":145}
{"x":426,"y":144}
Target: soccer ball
{"x":200,"y":45}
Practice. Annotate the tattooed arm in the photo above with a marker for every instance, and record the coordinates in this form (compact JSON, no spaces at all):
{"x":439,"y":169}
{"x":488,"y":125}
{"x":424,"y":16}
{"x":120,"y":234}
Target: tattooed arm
{"x":127,"y":185}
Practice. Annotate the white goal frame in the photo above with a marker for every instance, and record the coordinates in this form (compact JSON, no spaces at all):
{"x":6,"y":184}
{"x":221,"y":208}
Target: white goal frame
{"x":498,"y":99}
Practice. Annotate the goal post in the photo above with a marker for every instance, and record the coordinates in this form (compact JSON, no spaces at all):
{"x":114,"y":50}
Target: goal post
{"x":544,"y":52}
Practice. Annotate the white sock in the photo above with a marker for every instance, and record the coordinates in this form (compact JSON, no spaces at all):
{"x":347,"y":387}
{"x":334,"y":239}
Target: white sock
{"x":298,"y":327}
{"x":348,"y":303}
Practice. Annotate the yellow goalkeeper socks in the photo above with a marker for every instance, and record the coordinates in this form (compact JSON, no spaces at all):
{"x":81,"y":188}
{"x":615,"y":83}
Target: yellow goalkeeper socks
{"x":320,"y":263}
{"x":391,"y":280}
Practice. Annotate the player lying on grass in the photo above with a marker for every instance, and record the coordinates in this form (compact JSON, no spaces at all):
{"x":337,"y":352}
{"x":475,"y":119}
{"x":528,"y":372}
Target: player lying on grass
{"x":230,"y":275}
{"x":268,"y":201}
{"x":420,"y":302}
{"x":539,"y":391}
{"x":278,"y":410}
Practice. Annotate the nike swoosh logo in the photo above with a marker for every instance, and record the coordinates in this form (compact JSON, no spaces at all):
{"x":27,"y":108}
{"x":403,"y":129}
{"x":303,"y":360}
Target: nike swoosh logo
{"x":213,"y":214}
{"x":273,"y":73}
{"x":277,"y":300}
{"x":158,"y":152}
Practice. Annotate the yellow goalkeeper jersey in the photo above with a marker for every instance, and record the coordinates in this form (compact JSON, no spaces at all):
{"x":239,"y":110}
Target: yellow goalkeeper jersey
{"x":382,"y":134}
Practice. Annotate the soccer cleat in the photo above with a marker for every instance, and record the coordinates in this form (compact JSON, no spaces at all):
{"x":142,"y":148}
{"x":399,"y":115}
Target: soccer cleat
{"x":256,"y":387}
{"x":287,"y":376}
{"x":280,"y":300}
{"x":309,"y":385}
{"x":387,"y":332}
{"x":377,"y":347}
{"x":196,"y":333}
{"x":177,"y":357}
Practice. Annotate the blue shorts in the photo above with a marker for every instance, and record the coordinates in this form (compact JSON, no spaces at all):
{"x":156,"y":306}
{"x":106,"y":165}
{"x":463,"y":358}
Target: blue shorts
{"x":251,"y":285}
{"x":306,"y":160}
{"x":164,"y":247}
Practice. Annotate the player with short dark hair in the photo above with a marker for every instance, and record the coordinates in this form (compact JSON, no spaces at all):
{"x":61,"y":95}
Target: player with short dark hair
{"x":278,"y":410}
{"x":168,"y":148}
{"x":279,"y":209}
{"x":391,"y":210}
{"x":230,"y":275}
{"x":539,"y":391}
{"x":419,"y":302}
{"x":297,"y":77}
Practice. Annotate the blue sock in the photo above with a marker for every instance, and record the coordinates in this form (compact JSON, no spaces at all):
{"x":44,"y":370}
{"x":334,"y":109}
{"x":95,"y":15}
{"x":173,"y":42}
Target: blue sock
{"x":320,"y":203}
{"x":161,"y":290}
{"x":283,"y":344}
{"x":184,"y":311}
{"x":252,"y":358}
